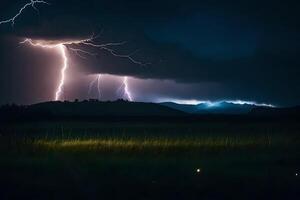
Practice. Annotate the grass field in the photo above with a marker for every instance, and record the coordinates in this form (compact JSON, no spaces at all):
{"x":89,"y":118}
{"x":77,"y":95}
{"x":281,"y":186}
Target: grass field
{"x":150,"y":161}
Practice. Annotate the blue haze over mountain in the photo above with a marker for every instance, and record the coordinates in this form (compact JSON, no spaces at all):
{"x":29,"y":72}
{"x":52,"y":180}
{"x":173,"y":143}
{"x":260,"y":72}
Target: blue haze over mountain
{"x":213,"y":108}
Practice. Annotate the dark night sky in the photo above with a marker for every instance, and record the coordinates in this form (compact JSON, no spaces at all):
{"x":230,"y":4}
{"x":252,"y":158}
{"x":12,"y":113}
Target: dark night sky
{"x":202,"y":50}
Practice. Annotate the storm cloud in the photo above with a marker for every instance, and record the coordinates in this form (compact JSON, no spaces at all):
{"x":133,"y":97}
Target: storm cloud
{"x":215,"y":49}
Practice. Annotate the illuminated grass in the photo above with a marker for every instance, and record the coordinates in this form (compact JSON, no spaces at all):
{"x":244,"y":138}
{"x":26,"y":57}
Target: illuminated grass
{"x":157,"y":144}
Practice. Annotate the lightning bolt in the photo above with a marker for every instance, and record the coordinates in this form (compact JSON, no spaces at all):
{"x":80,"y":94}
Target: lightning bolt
{"x":32,"y":4}
{"x":98,"y":86}
{"x":81,"y":53}
{"x":62,"y":49}
{"x":63,"y":46}
{"x":89,"y":42}
{"x":124,"y":89}
{"x":97,"y":80}
{"x":59,"y":90}
{"x":92,"y":83}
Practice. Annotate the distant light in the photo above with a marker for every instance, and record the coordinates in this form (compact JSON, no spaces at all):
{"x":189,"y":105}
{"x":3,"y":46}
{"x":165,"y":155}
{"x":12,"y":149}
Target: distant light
{"x":296,"y":174}
{"x":240,"y":102}
{"x":198,"y":170}
{"x":215,"y":103}
{"x":212,"y":104}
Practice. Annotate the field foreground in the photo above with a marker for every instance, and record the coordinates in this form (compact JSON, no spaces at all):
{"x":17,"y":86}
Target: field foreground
{"x":150,"y":161}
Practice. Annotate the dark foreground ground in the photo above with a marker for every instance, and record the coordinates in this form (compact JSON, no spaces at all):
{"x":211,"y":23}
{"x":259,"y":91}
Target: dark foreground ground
{"x":147,"y":160}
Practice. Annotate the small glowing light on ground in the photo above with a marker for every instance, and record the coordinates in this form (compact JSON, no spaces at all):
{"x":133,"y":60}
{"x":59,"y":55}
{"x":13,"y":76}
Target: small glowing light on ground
{"x":296,"y":174}
{"x":198,"y":170}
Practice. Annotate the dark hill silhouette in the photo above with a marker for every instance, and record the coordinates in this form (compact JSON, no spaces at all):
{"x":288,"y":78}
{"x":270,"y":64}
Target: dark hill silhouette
{"x":182,"y":107}
{"x":137,"y":111}
{"x":86,"y":109}
{"x":276,"y":112}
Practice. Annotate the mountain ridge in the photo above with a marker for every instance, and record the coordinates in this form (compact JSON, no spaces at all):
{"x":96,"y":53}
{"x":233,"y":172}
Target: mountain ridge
{"x":86,"y":109}
{"x":122,"y":110}
{"x":212,"y":108}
